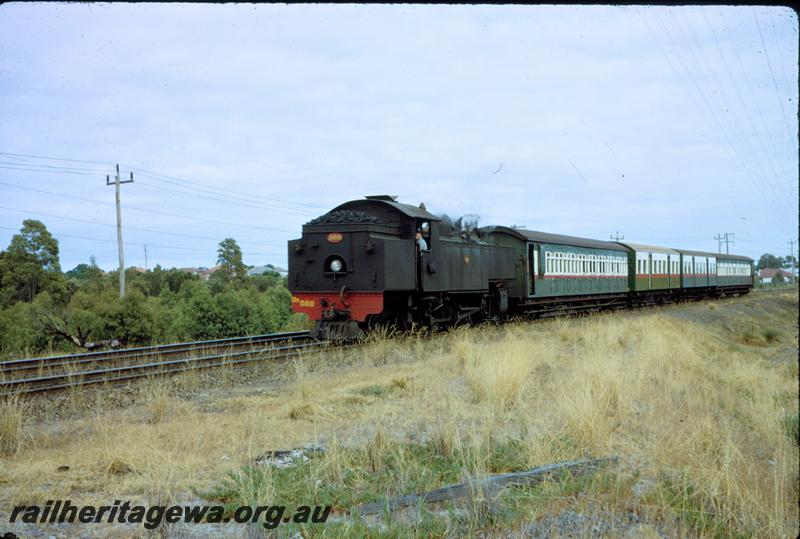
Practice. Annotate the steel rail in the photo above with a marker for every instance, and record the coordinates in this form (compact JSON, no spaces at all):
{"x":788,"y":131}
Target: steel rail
{"x":39,"y":364}
{"x":162,"y":347}
{"x":61,"y":381}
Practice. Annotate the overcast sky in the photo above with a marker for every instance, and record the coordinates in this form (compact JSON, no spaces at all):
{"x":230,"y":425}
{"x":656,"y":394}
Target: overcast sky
{"x":667,"y":124}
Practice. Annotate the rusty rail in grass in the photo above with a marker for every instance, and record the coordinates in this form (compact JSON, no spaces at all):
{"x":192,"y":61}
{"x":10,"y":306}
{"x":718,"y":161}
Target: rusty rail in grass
{"x":491,"y":484}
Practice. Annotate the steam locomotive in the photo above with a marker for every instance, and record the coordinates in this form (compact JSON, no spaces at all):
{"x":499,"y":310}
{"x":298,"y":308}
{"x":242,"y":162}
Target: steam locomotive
{"x":360,"y":265}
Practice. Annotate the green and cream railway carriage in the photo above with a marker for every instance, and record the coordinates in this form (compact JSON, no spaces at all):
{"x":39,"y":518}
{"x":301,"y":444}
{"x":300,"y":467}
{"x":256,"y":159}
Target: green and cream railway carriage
{"x":734,"y":270}
{"x":552,"y":265}
{"x":698,"y":269}
{"x":653,"y":268}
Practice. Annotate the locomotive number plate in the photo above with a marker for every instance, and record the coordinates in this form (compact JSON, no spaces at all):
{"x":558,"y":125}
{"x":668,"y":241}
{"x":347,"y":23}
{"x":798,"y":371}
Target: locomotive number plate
{"x":303,"y":302}
{"x":334,"y":237}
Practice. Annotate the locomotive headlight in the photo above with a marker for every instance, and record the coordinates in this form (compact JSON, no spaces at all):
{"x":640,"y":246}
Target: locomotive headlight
{"x":336,"y":265}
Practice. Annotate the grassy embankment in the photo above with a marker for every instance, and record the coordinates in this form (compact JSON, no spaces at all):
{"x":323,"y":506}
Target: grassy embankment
{"x":698,"y":401}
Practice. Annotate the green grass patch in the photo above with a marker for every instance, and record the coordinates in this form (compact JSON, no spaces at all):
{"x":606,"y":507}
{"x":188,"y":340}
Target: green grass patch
{"x":693,"y":512}
{"x":751,"y":336}
{"x":791,"y":426}
{"x":375,"y":390}
{"x":771,"y":335}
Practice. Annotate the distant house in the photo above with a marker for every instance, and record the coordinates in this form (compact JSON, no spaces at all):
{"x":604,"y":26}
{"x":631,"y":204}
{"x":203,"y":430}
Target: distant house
{"x":202,"y":272}
{"x":259,"y":270}
{"x":766,"y":275}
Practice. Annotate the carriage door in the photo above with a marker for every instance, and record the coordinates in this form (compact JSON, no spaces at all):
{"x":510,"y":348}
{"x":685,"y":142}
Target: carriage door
{"x":533,"y":268}
{"x":649,"y":271}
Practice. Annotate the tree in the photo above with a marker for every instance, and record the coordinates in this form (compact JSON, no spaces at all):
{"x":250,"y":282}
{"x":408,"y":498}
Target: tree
{"x":30,"y":264}
{"x":85,"y":272}
{"x":231,"y":267}
{"x":768,"y":260}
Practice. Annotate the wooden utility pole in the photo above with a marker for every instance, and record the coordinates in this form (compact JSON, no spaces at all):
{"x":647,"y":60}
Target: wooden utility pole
{"x":791,"y":254}
{"x":728,"y":240}
{"x":727,"y":237}
{"x":117,"y":183}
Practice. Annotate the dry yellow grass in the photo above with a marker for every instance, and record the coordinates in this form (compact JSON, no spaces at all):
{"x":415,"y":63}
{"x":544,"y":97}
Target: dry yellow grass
{"x":682,"y":407}
{"x":12,"y":413}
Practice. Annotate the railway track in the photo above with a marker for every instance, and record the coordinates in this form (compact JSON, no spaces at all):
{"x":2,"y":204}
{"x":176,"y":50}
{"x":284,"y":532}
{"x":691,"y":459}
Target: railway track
{"x":38,"y":375}
{"x":43,"y":374}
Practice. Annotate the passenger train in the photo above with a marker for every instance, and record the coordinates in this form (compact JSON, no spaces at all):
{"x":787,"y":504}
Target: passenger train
{"x":360,"y":265}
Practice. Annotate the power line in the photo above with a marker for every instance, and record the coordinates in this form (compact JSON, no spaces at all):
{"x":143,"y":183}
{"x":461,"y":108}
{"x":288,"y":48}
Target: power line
{"x":744,"y":71}
{"x":238,"y":201}
{"x":58,"y":158}
{"x":733,"y":136}
{"x":209,"y":188}
{"x":127,"y":227}
{"x":699,"y":91}
{"x":164,"y":177}
{"x":743,"y":105}
{"x":37,"y":167}
{"x":135,"y":208}
{"x":5,"y":167}
{"x":160,"y":246}
{"x":708,"y":77}
{"x":772,"y":75}
{"x":253,"y":204}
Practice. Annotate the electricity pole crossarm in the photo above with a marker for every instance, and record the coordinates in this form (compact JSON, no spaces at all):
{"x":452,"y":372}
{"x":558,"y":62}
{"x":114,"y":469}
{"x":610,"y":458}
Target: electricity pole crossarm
{"x":117,"y":183}
{"x":727,"y":237}
{"x":617,"y":237}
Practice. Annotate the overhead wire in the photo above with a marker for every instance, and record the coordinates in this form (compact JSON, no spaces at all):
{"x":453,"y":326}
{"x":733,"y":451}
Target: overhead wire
{"x":108,"y":163}
{"x":146,"y":210}
{"x":744,"y":71}
{"x":151,"y":187}
{"x":126,"y":227}
{"x":772,"y":75}
{"x":708,"y":78}
{"x":253,"y":204}
{"x":156,"y":245}
{"x":74,"y":173}
{"x":708,"y":108}
{"x":224,"y":191}
{"x":203,"y":187}
{"x":743,"y":104}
